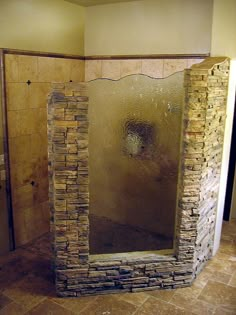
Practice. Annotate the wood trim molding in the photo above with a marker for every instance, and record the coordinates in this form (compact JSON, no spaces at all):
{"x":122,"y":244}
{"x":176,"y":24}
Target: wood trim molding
{"x":158,"y":56}
{"x":103,"y":57}
{"x":40,"y":54}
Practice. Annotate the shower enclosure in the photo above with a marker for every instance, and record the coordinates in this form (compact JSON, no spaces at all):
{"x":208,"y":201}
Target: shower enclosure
{"x":134,"y":139}
{"x":125,"y":217}
{"x":99,"y":229}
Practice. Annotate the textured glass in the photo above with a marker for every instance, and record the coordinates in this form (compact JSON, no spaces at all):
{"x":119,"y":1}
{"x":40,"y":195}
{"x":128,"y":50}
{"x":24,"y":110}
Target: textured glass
{"x":134,"y":142}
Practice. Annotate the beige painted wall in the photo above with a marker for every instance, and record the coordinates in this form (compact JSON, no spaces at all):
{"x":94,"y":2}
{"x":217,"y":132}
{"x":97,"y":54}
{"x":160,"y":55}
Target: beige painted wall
{"x":224,"y":44}
{"x":224,"y":28}
{"x":42,"y":25}
{"x":149,"y":27}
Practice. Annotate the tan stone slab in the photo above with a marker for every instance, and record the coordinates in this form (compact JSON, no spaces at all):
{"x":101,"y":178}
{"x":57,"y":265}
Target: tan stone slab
{"x":153,"y":68}
{"x":137,"y":299}
{"x":173,"y":65}
{"x":192,"y":305}
{"x":93,"y":69}
{"x":232,"y":281}
{"x":22,"y":174}
{"x":65,"y":123}
{"x":17,"y":96}
{"x":225,"y":310}
{"x":20,"y":149}
{"x":128,"y":67}
{"x":62,"y":70}
{"x":218,"y":293}
{"x":28,"y":68}
{"x":77,"y":71}
{"x":22,"y":197}
{"x":76,"y":304}
{"x":109,"y":305}
{"x":155,"y":306}
{"x":37,"y":94}
{"x":11,"y":68}
{"x":22,"y":122}
{"x":191,"y":292}
{"x":49,"y":307}
{"x":4,"y":300}
{"x":29,"y":291}
{"x":46,"y":69}
{"x":111,"y":69}
{"x":13,"y":309}
{"x":164,"y":295}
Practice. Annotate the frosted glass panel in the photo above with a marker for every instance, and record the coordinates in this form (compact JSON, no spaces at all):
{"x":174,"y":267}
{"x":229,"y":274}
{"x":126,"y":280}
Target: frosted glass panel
{"x":134,"y":142}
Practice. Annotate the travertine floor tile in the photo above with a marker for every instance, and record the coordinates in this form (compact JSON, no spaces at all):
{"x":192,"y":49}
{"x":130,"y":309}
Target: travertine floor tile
{"x":109,"y":305}
{"x":209,"y":274}
{"x":154,"y":306}
{"x":164,"y":295}
{"x":216,"y":265}
{"x":195,"y":306}
{"x":49,"y":308}
{"x":232,"y":281}
{"x":218,"y":293}
{"x":225,"y":310}
{"x":228,"y":247}
{"x":13,"y":309}
{"x":4,"y":300}
{"x":190,"y":292}
{"x":136,"y":299}
{"x":76,"y":304}
{"x":29,"y":291}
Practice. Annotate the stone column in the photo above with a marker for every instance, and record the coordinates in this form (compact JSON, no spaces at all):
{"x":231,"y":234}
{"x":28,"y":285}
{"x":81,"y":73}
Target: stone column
{"x":202,"y":145}
{"x":68,"y":178}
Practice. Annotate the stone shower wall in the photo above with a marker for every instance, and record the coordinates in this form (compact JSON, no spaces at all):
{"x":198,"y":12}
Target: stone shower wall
{"x":203,"y":133}
{"x":78,"y":274}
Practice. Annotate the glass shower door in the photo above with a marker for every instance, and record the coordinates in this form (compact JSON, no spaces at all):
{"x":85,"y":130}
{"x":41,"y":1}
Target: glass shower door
{"x":134,"y":143}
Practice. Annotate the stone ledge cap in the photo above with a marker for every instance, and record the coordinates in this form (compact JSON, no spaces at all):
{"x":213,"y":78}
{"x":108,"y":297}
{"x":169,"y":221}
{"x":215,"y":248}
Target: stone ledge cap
{"x":209,"y":63}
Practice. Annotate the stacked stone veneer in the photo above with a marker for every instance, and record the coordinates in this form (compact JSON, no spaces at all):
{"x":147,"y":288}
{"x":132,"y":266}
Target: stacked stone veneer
{"x":203,"y":132}
{"x":78,"y":274}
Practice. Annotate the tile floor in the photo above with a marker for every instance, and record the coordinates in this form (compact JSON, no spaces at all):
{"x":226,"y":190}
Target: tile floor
{"x":26,"y":287}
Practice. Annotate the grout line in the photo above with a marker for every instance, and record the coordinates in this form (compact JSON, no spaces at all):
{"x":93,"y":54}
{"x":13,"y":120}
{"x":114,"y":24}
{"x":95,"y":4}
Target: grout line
{"x":141,"y":304}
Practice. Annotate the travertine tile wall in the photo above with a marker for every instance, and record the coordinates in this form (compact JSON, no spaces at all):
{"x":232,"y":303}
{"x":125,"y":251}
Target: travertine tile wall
{"x":4,"y":230}
{"x":116,"y":69}
{"x":27,"y":131}
{"x":202,"y":140}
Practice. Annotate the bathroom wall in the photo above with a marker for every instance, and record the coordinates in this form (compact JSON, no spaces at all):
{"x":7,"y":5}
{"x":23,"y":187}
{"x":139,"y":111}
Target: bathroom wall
{"x":28,"y":81}
{"x":45,"y":25}
{"x":224,"y":44}
{"x":149,"y":27}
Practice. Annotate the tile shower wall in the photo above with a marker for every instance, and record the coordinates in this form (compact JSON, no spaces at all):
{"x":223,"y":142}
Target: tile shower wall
{"x":116,"y":69}
{"x":28,"y":80}
{"x":4,"y":230}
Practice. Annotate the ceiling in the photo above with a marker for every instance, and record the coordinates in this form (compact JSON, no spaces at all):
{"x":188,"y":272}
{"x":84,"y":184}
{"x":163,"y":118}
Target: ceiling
{"x":88,"y":3}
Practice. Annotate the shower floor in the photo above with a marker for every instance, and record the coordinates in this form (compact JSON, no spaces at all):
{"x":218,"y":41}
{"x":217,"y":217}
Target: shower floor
{"x":108,"y":237}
